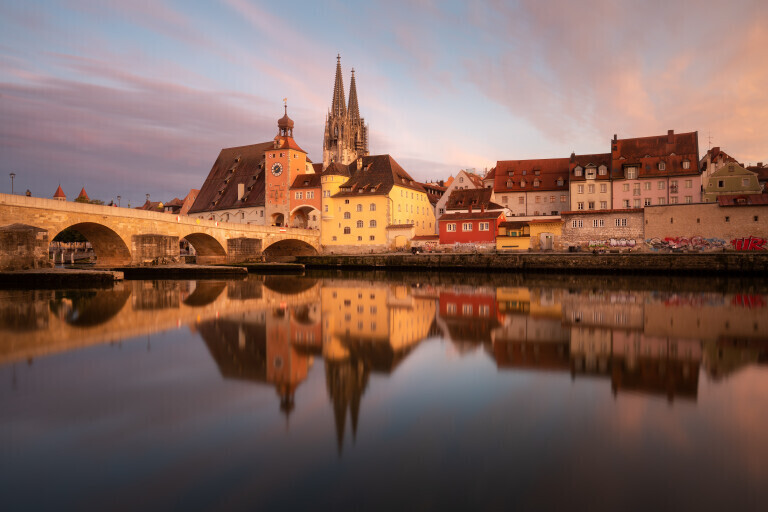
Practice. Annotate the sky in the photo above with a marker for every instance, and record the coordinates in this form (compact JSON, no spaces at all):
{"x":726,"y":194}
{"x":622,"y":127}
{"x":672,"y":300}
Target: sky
{"x":128,"y":98}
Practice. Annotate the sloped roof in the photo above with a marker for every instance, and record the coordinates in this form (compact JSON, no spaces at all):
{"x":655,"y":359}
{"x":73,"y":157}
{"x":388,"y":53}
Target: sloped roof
{"x":471,"y":216}
{"x":585,"y":161}
{"x":646,"y":153}
{"x":59,"y":193}
{"x":307,"y":181}
{"x":550,"y":170}
{"x":83,"y":194}
{"x":242,"y":164}
{"x":150,"y":205}
{"x":474,"y":197}
{"x":376,"y":176}
{"x":285,"y":142}
{"x":715,"y":154}
{"x":743,"y":200}
{"x":336,"y":169}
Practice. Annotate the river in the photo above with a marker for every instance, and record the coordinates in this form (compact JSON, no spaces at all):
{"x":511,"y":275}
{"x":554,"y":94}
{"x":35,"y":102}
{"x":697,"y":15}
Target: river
{"x":375,"y":391}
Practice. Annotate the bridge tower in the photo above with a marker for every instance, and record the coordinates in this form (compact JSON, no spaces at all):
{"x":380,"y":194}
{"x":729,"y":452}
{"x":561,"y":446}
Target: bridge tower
{"x":282,"y":163}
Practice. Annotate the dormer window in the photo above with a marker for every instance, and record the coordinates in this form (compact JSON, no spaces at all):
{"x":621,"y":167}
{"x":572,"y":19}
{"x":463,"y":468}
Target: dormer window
{"x":522,"y":182}
{"x":631,"y":173}
{"x":602,"y":170}
{"x":510,"y":173}
{"x":662,"y":166}
{"x":686,"y":164}
{"x":560,"y":182}
{"x":510,"y":183}
{"x":525,"y":172}
{"x":577,"y":171}
{"x":536,"y":183}
{"x":537,"y":172}
{"x":591,"y":172}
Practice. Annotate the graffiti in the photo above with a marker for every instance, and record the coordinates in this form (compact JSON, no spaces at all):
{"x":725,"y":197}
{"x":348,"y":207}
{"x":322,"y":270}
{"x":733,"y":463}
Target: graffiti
{"x":751,"y":243}
{"x":748,"y":301}
{"x":683,"y":243}
{"x":613,"y":242}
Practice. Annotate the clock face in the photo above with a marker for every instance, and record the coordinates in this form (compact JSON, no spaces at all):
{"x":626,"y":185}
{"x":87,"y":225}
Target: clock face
{"x":277,"y":169}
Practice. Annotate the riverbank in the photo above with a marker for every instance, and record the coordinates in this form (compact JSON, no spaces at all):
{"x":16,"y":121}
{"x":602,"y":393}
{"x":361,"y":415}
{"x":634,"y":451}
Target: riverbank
{"x":184,"y":272}
{"x":59,"y":278}
{"x":641,"y":263}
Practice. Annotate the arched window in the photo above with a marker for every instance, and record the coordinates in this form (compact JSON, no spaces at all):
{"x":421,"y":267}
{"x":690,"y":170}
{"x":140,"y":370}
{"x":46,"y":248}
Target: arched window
{"x":372,"y":223}
{"x":347,"y":231}
{"x":577,"y":171}
{"x":359,"y":207}
{"x":359,"y":223}
{"x":372,"y":207}
{"x":662,"y":166}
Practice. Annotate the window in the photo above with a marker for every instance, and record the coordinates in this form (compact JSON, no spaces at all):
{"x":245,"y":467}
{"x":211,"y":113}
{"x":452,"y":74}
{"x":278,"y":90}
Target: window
{"x":636,"y":203}
{"x":359,"y":224}
{"x":372,"y":223}
{"x":686,"y":164}
{"x":626,"y":203}
{"x":505,"y":199}
{"x":325,"y":208}
{"x":346,"y":201}
{"x":536,"y":183}
{"x":560,"y":182}
{"x":661,"y":185}
{"x":347,"y":215}
{"x":577,"y":171}
{"x":590,"y":173}
{"x":745,"y":182}
{"x":399,"y":208}
{"x":371,"y":238}
{"x":598,"y":223}
{"x":359,"y":208}
{"x":466,"y":226}
{"x":580,"y":205}
{"x":603,"y":188}
{"x":591,"y":189}
{"x":647,"y":185}
{"x":688,"y":199}
{"x":451,"y":226}
{"x":688,"y":183}
{"x":662,"y":200}
{"x":603,"y":205}
{"x":620,"y":223}
{"x":484,"y":226}
{"x":359,"y":238}
{"x":522,"y":183}
{"x":461,"y":179}
{"x":298,"y":195}
{"x":662,"y":166}
{"x":310,"y":194}
{"x":580,"y":189}
{"x":647,"y":201}
{"x":578,"y":223}
{"x":591,"y":205}
{"x":631,"y":173}
{"x":538,"y":199}
{"x":563,"y":198}
{"x":625,"y":187}
{"x":466,"y":309}
{"x":521,"y":200}
{"x":372,"y":207}
{"x":673,"y":200}
{"x":603,"y":170}
{"x":551,"y":199}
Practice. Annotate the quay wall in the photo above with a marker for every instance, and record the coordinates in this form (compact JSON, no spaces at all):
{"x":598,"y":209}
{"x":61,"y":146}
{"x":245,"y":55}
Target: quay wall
{"x":659,"y":263}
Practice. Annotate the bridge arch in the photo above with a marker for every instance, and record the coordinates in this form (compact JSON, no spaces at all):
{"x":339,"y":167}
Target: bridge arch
{"x":288,"y":248}
{"x":209,"y":250}
{"x":109,"y":248}
{"x":305,"y":217}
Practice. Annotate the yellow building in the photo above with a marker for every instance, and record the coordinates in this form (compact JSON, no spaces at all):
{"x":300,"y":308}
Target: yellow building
{"x":534,"y":235}
{"x":372,"y":204}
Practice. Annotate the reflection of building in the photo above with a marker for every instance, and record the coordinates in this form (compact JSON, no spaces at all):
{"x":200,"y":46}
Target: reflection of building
{"x":470,"y":317}
{"x":257,"y":347}
{"x":367,"y":327}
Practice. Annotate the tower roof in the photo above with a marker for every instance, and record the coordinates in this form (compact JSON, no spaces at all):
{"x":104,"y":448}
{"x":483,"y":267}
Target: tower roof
{"x":59,"y":193}
{"x":285,"y":122}
{"x":83,"y":194}
{"x":353,"y":110}
{"x":338,"y":105}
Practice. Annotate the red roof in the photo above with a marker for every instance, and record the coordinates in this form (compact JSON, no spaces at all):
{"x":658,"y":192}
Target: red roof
{"x":743,"y":200}
{"x":471,"y":216}
{"x":285,"y":142}
{"x":83,"y":194}
{"x":647,"y":153}
{"x":595,"y":161}
{"x":618,"y":210}
{"x":59,"y":193}
{"x":522,"y":175}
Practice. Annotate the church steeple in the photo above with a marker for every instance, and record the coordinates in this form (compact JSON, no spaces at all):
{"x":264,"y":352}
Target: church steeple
{"x":353,"y":110}
{"x":338,"y":105}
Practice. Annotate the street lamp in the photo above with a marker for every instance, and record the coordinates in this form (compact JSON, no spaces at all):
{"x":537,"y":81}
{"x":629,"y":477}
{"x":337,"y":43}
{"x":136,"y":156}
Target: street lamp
{"x":12,"y":175}
{"x":118,"y":201}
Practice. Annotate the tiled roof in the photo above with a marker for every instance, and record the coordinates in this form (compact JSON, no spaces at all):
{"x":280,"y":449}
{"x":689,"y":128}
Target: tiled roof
{"x":646,"y":153}
{"x":470,"y":216}
{"x":83,"y":194}
{"x":591,"y":212}
{"x":318,"y":167}
{"x":471,"y":197}
{"x":743,"y":200}
{"x":513,"y":224}
{"x":243,"y":164}
{"x":284,"y":142}
{"x":150,"y":205}
{"x":337,"y":169}
{"x":585,"y":161}
{"x":551,"y":173}
{"x":376,"y":176}
{"x":307,"y":181}
{"x":760,"y":170}
{"x":716,"y":154}
{"x":174,"y":202}
{"x":59,"y":193}
{"x":490,"y":174}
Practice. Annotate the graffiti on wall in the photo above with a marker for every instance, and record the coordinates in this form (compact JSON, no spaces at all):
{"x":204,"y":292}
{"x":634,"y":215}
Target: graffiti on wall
{"x":748,"y":301}
{"x":683,"y":243}
{"x":749,"y":243}
{"x":613,"y":242}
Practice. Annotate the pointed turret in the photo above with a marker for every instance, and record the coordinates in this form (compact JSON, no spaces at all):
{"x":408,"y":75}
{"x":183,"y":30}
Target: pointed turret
{"x":338,"y":105}
{"x":353,"y":110}
{"x":83,"y":195}
{"x":59,"y":194}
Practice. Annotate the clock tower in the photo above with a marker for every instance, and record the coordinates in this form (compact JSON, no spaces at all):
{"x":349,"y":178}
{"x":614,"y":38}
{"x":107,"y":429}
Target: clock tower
{"x":282,"y":163}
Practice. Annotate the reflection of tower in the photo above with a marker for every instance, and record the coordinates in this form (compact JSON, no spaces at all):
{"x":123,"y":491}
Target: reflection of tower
{"x":346,"y":381}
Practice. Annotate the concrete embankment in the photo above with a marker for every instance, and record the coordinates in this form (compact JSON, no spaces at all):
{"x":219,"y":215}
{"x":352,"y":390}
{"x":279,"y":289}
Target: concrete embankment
{"x":49,"y":278}
{"x":702,"y":263}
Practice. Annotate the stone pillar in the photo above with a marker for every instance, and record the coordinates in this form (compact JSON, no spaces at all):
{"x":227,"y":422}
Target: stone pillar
{"x":23,"y":247}
{"x":154,"y":249}
{"x":244,"y":250}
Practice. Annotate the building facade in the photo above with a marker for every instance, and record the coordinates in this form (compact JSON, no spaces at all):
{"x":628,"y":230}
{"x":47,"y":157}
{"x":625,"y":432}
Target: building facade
{"x":590,"y":182}
{"x":532,"y":188}
{"x":603,"y":229}
{"x":730,"y":179}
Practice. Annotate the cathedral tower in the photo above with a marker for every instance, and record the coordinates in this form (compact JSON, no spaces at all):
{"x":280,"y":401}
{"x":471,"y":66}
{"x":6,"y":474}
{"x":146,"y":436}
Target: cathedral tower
{"x":346,"y":134}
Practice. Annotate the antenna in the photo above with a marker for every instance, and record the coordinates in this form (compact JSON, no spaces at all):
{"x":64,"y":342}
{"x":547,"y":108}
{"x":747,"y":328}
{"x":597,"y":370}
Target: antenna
{"x":709,"y":138}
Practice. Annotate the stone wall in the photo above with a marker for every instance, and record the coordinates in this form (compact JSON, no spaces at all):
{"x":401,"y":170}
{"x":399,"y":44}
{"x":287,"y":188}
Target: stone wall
{"x":154,"y":249}
{"x":23,"y":247}
{"x":244,"y":250}
{"x":606,"y":229}
{"x":706,"y":227}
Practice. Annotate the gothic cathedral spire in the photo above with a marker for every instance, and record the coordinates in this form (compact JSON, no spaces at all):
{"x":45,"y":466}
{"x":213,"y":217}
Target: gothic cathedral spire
{"x":346,"y":134}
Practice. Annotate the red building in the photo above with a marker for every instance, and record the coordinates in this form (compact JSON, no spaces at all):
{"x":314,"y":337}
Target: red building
{"x":470,"y":227}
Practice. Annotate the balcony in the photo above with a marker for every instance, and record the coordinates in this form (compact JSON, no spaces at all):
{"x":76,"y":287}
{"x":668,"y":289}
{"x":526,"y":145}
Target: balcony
{"x":672,"y":189}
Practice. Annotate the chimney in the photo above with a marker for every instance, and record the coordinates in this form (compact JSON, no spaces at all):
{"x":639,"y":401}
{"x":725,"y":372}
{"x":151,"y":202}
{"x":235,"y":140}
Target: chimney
{"x":482,"y":207}
{"x":670,"y":136}
{"x":359,"y":163}
{"x":470,"y":208}
{"x":615,"y":137}
{"x":240,"y":191}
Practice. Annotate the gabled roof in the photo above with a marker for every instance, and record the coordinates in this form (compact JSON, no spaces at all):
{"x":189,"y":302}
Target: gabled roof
{"x":336,"y":169}
{"x":59,"y":193}
{"x":472,"y":197}
{"x":595,"y":160}
{"x":716,"y":154}
{"x":286,"y":142}
{"x":242,"y":164}
{"x":377,"y":175}
{"x":150,"y":206}
{"x":83,"y":194}
{"x":307,"y":181}
{"x":646,"y":153}
{"x":434,"y":192}
{"x":547,"y":171}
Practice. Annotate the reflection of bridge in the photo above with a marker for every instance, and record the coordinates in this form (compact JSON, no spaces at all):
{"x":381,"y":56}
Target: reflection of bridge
{"x":123,"y":236}
{"x":37,"y":323}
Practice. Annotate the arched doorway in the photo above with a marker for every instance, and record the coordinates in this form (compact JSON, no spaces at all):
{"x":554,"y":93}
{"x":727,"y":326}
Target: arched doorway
{"x":305,"y":217}
{"x":278,"y":219}
{"x":78,"y":240}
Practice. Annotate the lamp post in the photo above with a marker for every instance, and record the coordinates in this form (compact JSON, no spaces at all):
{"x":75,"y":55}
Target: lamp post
{"x":12,"y":175}
{"x":118,"y":201}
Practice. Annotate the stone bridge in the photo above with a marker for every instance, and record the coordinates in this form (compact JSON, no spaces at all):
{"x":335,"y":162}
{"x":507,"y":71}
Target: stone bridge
{"x":124,"y":236}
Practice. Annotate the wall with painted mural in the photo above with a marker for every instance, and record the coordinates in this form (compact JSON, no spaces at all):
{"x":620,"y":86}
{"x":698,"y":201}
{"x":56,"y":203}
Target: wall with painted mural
{"x":706,"y":227}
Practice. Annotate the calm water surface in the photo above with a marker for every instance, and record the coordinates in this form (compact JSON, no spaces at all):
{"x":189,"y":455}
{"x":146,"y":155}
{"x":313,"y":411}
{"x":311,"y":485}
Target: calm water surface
{"x":359,"y":392}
